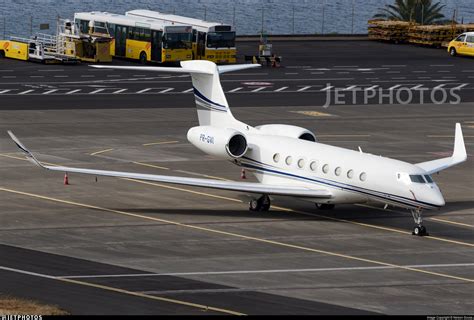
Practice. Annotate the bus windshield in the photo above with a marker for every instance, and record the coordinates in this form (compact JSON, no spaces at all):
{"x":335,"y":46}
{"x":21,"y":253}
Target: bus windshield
{"x":221,"y":39}
{"x":177,"y":40}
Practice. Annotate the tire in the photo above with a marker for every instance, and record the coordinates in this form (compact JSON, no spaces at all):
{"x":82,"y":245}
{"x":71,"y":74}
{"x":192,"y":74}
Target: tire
{"x":453,"y":52}
{"x":417,"y":231}
{"x":143,"y":58}
{"x":254,"y":205}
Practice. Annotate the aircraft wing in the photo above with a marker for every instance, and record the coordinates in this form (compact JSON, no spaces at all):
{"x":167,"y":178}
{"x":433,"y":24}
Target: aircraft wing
{"x":459,"y":155}
{"x":250,"y":187}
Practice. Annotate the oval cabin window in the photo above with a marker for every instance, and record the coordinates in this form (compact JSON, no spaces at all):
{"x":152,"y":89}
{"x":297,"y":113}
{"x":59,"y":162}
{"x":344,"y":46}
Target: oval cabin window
{"x":326,"y":168}
{"x":288,"y":160}
{"x":276,"y":157}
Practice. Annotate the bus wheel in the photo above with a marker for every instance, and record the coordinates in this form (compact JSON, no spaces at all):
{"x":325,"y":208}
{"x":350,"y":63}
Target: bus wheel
{"x":143,"y":58}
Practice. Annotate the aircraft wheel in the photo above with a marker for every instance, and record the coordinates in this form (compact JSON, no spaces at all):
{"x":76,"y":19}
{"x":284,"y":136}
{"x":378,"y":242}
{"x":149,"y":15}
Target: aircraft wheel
{"x":419,"y":231}
{"x":254,"y":205}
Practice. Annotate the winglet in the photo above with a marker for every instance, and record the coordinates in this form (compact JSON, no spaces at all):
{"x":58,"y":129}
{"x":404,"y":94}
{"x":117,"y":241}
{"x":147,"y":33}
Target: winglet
{"x":29,"y":156}
{"x":459,"y":152}
{"x":459,"y":155}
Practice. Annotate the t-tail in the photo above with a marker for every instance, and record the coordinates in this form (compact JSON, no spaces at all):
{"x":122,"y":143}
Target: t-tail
{"x":211,"y":103}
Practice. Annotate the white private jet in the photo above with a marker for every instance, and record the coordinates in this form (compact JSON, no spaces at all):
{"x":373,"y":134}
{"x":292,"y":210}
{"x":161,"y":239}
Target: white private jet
{"x":287,"y":160}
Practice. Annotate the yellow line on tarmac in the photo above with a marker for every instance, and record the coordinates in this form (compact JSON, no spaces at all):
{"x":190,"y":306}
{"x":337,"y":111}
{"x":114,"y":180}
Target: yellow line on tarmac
{"x":181,"y":189}
{"x":150,"y":165}
{"x":342,"y":135}
{"x":24,"y":159}
{"x":240,"y":236}
{"x":436,"y":136}
{"x":157,"y":143}
{"x":142,"y":295}
{"x":100,"y":152}
{"x":452,"y":222}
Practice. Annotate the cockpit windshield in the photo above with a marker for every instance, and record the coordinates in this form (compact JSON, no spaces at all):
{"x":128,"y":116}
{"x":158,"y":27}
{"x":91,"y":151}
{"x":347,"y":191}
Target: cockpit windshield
{"x":421,"y":178}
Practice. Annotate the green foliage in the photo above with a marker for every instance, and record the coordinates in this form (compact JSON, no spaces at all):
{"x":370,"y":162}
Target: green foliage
{"x":419,"y":11}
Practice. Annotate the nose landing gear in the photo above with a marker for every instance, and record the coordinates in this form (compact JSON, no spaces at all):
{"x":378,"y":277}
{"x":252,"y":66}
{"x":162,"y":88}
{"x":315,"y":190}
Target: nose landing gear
{"x":419,"y":229}
{"x":261,"y":204}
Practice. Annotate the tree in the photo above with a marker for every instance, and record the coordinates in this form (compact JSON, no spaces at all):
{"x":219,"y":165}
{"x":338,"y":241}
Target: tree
{"x":419,"y":11}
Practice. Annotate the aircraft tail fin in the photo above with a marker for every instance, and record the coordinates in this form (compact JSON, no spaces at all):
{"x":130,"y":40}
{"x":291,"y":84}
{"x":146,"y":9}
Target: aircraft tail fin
{"x":212,"y":106}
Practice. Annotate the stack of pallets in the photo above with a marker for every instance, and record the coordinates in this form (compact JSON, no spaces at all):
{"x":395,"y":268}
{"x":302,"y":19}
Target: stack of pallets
{"x":437,"y":35}
{"x":395,"y":31}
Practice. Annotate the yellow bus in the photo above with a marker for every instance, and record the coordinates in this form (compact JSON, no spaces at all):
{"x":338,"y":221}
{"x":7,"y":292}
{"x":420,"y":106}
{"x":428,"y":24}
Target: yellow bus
{"x":139,"y":38}
{"x":211,"y":40}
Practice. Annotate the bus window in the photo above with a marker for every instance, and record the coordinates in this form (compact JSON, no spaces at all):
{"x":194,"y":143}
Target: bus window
{"x":111,"y":28}
{"x":100,"y":27}
{"x":83,"y":26}
{"x":221,"y":39}
{"x":177,"y":41}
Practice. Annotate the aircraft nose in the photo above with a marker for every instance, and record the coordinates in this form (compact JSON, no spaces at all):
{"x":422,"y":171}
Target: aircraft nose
{"x":437,"y":199}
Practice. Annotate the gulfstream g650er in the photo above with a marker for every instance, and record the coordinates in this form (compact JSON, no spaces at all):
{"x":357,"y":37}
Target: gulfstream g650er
{"x":287,"y":160}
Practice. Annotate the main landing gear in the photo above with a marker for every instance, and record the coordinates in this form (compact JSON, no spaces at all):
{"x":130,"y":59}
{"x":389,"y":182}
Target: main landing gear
{"x":419,"y":229}
{"x":261,"y":204}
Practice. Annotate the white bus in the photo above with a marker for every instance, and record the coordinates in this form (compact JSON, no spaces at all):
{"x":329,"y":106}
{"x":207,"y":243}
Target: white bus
{"x":211,"y":40}
{"x":139,"y":38}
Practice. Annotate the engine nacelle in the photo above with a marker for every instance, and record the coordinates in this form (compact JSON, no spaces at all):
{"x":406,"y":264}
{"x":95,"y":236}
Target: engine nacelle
{"x":287,"y":131}
{"x":220,"y":142}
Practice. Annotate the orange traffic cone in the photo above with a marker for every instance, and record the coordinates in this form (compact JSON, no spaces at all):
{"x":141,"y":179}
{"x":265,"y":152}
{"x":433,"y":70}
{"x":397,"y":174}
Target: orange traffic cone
{"x":242,"y":174}
{"x":66,"y":179}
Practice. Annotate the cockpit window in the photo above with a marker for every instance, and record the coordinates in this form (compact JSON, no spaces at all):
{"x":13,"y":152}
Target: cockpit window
{"x":417,"y":178}
{"x":428,"y":178}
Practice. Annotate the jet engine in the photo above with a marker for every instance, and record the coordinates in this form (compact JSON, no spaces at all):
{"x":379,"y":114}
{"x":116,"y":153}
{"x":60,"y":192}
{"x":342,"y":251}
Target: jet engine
{"x":287,"y":131}
{"x":221,"y":142}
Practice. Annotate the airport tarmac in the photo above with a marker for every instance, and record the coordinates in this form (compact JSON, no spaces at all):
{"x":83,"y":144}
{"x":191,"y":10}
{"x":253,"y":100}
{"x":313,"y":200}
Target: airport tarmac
{"x":121,"y":246}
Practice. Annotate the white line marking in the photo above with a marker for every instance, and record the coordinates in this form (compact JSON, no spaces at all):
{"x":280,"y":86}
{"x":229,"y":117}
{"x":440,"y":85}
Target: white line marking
{"x":303,"y":89}
{"x":113,"y":76}
{"x":236,"y":89}
{"x":189,"y":90}
{"x":325,"y":89}
{"x":61,"y":76}
{"x":166,"y":90}
{"x":416,"y":87}
{"x":6,"y":70}
{"x":345,"y":66}
{"x":398,"y":78}
{"x":443,"y":71}
{"x":73,"y":91}
{"x":439,"y":86}
{"x":461,"y":86}
{"x":36,"y":76}
{"x":419,"y":71}
{"x":427,"y":266}
{"x":139,"y":75}
{"x":119,"y":91}
{"x":291,"y":73}
{"x":394,"y":65}
{"x":467,"y":71}
{"x":96,"y":91}
{"x":87,"y":76}
{"x":258,"y":89}
{"x":5,"y":91}
{"x":395,"y":87}
{"x":9,"y":77}
{"x":50,"y":91}
{"x":51,"y":70}
{"x":371,"y":88}
{"x":281,"y":89}
{"x":441,"y":65}
{"x":349,"y":88}
{"x":144,"y":90}
{"x":393,"y":71}
{"x":27,"y":91}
